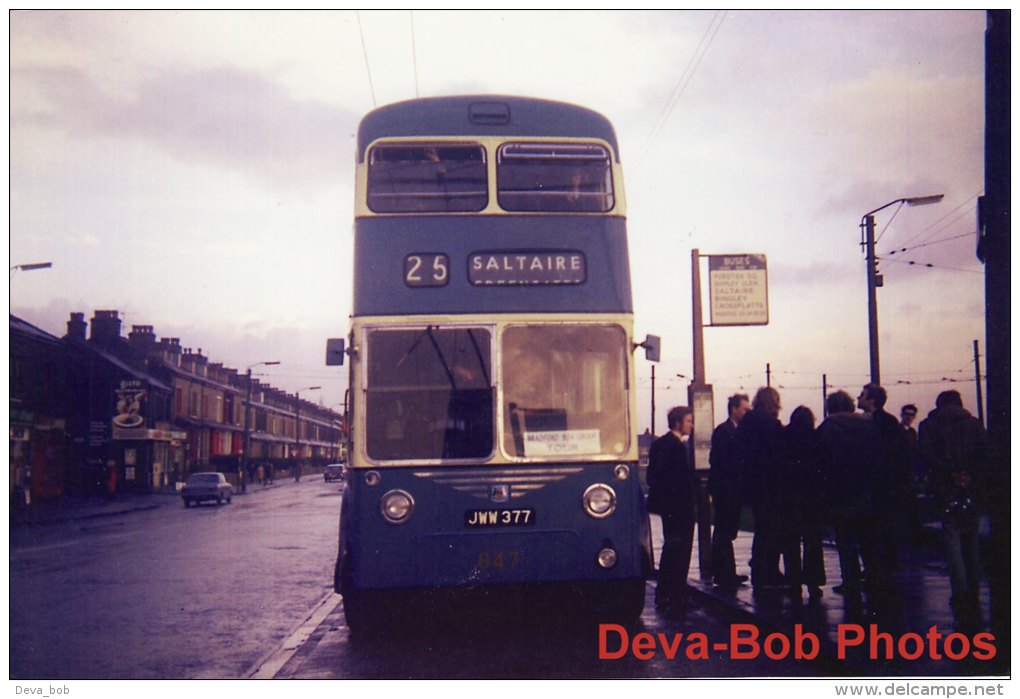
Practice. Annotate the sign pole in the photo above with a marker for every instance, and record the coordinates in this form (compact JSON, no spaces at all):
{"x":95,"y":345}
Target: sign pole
{"x":696,"y":320}
{"x":738,"y":291}
{"x":699,"y":396}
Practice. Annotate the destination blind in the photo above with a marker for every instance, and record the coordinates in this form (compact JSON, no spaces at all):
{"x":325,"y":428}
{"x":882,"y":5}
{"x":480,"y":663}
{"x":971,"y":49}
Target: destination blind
{"x":542,"y":267}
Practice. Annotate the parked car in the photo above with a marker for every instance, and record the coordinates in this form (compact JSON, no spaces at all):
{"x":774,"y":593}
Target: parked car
{"x":334,"y":472}
{"x":207,"y":486}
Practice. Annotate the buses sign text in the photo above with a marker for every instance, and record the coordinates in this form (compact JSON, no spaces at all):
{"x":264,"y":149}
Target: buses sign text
{"x":738,"y":289}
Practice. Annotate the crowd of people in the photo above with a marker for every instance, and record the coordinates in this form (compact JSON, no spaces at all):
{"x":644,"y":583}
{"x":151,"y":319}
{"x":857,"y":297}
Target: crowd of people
{"x":855,"y":476}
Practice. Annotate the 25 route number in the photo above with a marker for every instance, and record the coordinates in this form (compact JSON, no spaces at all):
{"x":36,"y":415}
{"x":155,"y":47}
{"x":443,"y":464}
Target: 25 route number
{"x":427,"y":269}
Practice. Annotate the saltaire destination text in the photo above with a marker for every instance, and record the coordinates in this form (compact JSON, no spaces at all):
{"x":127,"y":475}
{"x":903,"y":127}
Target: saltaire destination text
{"x":546,"y":267}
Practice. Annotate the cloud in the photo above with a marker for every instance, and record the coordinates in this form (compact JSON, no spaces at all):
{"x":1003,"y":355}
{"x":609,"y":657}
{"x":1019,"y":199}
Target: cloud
{"x":895,"y":132}
{"x":225,"y":117}
{"x":820,"y":274}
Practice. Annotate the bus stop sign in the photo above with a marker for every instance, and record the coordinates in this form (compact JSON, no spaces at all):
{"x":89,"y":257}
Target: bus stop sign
{"x":738,"y":289}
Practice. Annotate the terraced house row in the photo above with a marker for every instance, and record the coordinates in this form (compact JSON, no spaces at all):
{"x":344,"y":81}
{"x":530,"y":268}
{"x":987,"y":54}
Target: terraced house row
{"x":94,"y":410}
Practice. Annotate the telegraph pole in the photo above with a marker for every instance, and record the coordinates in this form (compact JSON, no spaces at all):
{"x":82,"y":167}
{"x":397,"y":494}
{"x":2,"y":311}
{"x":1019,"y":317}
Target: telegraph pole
{"x":247,"y":417}
{"x":653,"y":401}
{"x":977,"y":382}
{"x":874,"y":281}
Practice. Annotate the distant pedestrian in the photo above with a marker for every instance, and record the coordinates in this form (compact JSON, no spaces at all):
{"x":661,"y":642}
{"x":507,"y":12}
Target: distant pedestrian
{"x":954,"y":445}
{"x":261,"y":475}
{"x":671,"y":495}
{"x":916,"y":479}
{"x":805,"y":508}
{"x":758,"y":442}
{"x":908,"y":414}
{"x":726,"y":485}
{"x":851,"y":451}
{"x":111,"y":479}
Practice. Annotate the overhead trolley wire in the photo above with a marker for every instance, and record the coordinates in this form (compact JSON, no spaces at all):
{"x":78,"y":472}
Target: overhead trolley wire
{"x":943,"y":218}
{"x":414,"y":56}
{"x":364,"y":51}
{"x":684,"y":81}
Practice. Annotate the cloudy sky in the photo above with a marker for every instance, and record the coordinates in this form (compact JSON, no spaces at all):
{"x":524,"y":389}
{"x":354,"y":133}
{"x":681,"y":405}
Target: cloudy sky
{"x":194,"y":171}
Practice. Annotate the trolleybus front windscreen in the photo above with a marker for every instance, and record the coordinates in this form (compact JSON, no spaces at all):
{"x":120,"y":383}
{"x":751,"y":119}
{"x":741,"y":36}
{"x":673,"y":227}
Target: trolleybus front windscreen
{"x":565,"y":391}
{"x":429,"y":394}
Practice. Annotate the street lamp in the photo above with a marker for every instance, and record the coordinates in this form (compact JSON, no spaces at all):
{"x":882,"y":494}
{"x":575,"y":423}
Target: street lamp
{"x":247,"y":423}
{"x":25,"y":268}
{"x":297,"y":423}
{"x":875,"y":279}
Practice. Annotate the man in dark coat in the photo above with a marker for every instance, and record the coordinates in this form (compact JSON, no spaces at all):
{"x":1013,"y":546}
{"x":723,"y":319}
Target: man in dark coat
{"x":725,"y":485}
{"x":761,"y":466}
{"x":851,"y":453}
{"x":671,"y":495}
{"x":954,"y":446}
{"x":893,"y":486}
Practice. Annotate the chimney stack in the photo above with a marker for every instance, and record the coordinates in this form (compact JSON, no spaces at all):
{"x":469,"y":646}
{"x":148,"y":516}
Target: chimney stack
{"x":142,"y":336}
{"x":105,"y":328}
{"x":170,"y":347}
{"x":76,"y":327}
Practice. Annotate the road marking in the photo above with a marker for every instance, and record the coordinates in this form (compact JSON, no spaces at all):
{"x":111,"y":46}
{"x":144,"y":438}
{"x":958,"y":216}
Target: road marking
{"x":267,"y":668}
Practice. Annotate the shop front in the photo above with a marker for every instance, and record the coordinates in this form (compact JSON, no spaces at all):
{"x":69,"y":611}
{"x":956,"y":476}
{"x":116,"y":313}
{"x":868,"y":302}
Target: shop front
{"x":148,"y":459}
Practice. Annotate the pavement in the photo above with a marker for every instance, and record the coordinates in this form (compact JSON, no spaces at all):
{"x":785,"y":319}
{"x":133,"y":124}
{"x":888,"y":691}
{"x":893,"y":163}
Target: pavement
{"x":919,"y":602}
{"x":70,"y":509}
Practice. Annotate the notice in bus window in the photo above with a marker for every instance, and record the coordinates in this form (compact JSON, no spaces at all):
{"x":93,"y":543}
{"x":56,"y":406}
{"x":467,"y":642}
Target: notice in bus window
{"x":565,"y":443}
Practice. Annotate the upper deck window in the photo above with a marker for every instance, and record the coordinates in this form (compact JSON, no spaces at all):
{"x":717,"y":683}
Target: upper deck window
{"x":554,"y":177}
{"x":417,"y":178}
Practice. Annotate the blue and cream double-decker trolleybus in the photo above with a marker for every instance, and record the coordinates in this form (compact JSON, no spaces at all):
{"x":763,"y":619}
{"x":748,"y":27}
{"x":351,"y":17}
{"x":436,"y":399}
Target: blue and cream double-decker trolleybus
{"x":492,"y":407}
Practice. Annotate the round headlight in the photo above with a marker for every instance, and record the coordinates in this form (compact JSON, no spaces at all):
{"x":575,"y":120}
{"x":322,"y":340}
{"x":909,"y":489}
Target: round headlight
{"x":599,"y":501}
{"x":396,"y":506}
{"x":622,"y":471}
{"x":372,"y":478}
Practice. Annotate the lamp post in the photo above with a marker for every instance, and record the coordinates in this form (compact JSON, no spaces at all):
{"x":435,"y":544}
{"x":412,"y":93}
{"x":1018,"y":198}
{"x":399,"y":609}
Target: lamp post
{"x":25,"y":268}
{"x":875,"y":279}
{"x":297,"y":427}
{"x":247,"y":422}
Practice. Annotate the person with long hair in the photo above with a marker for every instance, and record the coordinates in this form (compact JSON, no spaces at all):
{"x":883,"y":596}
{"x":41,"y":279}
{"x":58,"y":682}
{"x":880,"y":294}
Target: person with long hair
{"x":805,"y":511}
